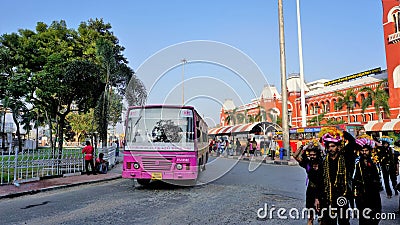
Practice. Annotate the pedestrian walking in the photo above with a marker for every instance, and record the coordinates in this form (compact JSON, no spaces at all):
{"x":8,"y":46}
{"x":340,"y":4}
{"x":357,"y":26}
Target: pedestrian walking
{"x":238,"y":146}
{"x":366,"y":184}
{"x":309,"y":158}
{"x":388,"y":166}
{"x":88,"y":150}
{"x":333,"y":189}
{"x":254,"y":146}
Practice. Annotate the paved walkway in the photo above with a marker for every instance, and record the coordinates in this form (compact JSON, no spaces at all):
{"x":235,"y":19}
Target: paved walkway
{"x":11,"y":191}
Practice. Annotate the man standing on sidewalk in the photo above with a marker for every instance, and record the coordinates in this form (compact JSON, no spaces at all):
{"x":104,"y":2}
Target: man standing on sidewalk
{"x":88,"y":150}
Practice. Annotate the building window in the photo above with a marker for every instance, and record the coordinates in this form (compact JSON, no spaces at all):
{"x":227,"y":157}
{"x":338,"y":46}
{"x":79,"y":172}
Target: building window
{"x":364,"y":119}
{"x":327,"y":107}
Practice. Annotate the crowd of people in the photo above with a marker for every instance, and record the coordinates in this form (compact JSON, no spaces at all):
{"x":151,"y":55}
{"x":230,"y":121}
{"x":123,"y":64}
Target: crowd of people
{"x":345,"y":172}
{"x":250,"y":147}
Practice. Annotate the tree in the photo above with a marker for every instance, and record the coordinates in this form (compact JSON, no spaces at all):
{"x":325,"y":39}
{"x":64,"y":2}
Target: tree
{"x":379,"y":98}
{"x":115,"y":109}
{"x":316,"y":120}
{"x":82,"y":123}
{"x":240,"y":118}
{"x":349,"y":100}
{"x":231,"y":117}
{"x":136,"y":93}
{"x":57,"y":69}
{"x":114,"y":74}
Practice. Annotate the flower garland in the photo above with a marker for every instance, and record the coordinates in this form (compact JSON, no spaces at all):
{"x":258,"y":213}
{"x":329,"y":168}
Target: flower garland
{"x":333,"y":131}
{"x":340,"y":179}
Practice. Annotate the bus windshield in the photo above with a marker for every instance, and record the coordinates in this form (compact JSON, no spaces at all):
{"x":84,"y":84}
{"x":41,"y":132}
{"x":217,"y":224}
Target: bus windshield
{"x":172,"y":127}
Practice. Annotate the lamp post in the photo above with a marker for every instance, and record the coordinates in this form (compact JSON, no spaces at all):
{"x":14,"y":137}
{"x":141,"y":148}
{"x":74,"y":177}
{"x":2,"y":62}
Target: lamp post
{"x":184,"y":61}
{"x":317,"y":107}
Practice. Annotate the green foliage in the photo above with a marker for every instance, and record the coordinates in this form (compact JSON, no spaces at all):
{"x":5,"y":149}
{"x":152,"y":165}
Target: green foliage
{"x":115,"y":109}
{"x":379,"y":98}
{"x":348,"y":100}
{"x":82,"y":124}
{"x":58,"y":70}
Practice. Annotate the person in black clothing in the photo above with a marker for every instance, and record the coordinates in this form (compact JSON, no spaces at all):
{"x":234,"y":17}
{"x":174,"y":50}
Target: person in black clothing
{"x":313,"y":166}
{"x":366,"y":184}
{"x":388,"y":165}
{"x":334,"y":184}
{"x":238,"y":146}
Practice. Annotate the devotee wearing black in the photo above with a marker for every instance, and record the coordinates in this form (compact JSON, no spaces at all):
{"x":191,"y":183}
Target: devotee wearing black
{"x":335,"y":181}
{"x":366,"y":187}
{"x":388,"y":165}
{"x":312,"y":163}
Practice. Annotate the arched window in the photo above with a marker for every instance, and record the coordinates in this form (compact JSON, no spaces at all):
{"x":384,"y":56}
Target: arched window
{"x":327,"y":107}
{"x":323,"y":110}
{"x":333,"y":104}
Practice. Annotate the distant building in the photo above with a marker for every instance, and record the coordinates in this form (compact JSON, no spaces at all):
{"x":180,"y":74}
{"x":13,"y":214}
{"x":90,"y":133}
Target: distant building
{"x":320,"y":95}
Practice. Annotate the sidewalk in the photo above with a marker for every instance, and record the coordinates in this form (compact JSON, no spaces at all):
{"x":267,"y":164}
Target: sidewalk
{"x":11,"y":191}
{"x":263,"y":159}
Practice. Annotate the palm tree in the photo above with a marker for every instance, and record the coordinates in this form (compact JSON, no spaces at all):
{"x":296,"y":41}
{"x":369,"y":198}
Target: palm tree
{"x":348,"y":100}
{"x":228,"y":117}
{"x":240,"y":117}
{"x":378,"y":98}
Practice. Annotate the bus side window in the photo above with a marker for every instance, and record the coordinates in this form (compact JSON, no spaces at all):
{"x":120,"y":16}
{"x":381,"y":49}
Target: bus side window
{"x":198,"y":134}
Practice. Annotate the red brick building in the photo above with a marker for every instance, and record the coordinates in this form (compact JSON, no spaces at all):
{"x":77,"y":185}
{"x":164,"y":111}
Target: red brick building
{"x":321,"y":95}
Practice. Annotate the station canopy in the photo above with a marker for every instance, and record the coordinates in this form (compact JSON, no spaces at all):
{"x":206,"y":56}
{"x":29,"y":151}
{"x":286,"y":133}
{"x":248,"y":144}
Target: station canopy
{"x":244,"y":128}
{"x":391,"y":125}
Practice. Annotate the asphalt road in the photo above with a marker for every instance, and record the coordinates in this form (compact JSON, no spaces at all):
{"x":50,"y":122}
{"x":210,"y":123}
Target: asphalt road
{"x":229,"y":194}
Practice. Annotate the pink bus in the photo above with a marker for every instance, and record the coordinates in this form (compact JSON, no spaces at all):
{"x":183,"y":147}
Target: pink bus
{"x":164,"y":142}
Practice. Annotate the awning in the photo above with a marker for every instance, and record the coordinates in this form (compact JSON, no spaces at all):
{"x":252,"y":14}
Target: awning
{"x":240,"y":128}
{"x":391,"y":125}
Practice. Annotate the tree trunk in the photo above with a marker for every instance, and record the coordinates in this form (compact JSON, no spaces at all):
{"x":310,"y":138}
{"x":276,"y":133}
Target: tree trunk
{"x":3,"y":134}
{"x":60,"y":129}
{"x":348,"y":116}
{"x":104,"y":125}
{"x":18,"y":133}
{"x":37,"y":131}
{"x":379,"y":116}
{"x":50,"y":133}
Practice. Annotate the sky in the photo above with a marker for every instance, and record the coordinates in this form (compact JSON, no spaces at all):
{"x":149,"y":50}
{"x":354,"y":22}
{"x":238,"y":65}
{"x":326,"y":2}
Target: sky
{"x":231,"y":47}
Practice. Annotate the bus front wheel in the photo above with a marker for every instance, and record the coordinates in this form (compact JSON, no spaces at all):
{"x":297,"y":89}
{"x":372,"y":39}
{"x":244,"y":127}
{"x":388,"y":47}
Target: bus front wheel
{"x":143,"y":182}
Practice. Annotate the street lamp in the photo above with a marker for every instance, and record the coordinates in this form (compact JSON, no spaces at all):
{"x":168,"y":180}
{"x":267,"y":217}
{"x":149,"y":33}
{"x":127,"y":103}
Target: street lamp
{"x":184,"y":61}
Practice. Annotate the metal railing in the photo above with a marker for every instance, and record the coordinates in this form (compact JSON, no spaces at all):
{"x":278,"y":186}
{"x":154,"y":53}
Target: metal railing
{"x":33,"y":164}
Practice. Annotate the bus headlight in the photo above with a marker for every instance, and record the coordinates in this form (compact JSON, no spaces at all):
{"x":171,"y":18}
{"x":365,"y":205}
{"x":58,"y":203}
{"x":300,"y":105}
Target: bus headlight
{"x":136,"y":165}
{"x":179,"y":166}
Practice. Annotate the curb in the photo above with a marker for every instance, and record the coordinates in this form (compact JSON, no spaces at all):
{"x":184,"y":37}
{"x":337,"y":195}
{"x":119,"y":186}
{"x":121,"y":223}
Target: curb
{"x":56,"y":187}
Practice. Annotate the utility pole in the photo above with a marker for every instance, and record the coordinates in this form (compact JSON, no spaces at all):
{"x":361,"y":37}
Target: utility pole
{"x":302,"y":97}
{"x":183,"y":80}
{"x":285,"y":124}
